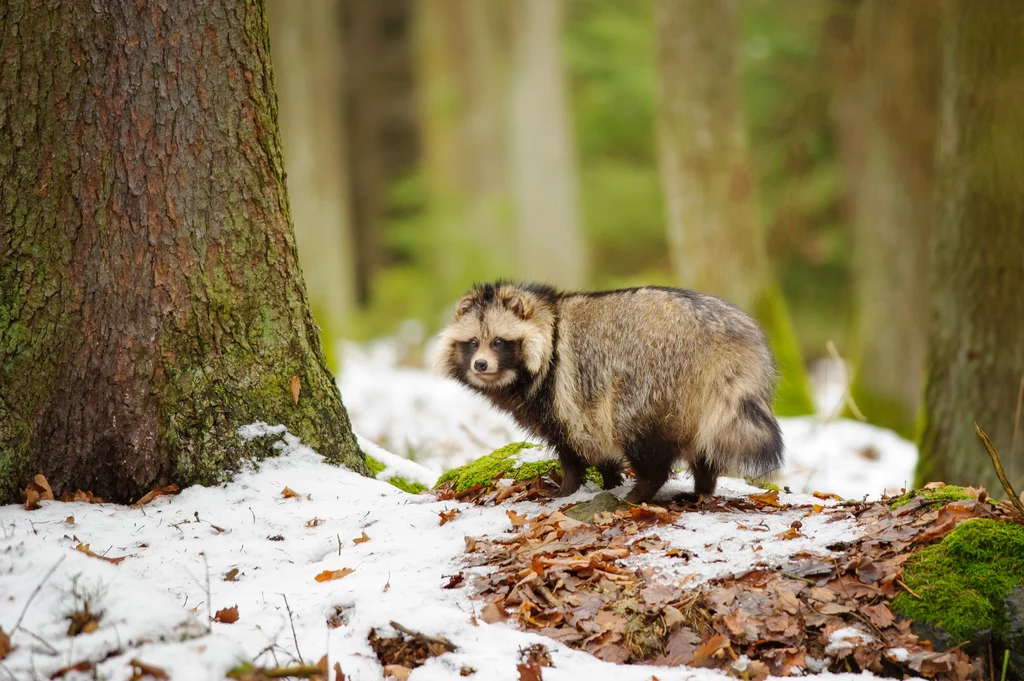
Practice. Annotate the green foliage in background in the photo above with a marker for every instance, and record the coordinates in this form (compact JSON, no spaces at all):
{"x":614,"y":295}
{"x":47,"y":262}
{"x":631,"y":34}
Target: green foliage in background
{"x":787,"y":93}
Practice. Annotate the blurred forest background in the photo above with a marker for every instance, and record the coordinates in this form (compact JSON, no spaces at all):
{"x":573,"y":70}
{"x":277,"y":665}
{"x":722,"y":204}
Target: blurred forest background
{"x":781,"y":153}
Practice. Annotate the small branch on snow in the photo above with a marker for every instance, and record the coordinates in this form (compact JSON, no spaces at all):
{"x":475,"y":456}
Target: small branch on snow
{"x":295,"y":638}
{"x":998,"y":465}
{"x":35,"y":592}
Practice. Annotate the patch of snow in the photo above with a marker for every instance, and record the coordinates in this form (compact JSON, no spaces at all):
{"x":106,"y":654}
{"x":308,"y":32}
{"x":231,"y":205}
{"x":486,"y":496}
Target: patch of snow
{"x":260,"y":429}
{"x":732,"y":542}
{"x":841,"y":641}
{"x":898,"y":654}
{"x":397,"y":466}
{"x":155,"y":602}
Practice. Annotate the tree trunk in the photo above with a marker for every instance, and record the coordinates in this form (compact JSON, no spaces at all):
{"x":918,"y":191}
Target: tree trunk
{"x":976,"y":342}
{"x":151,"y":300}
{"x":383,"y":143}
{"x":544,"y":183}
{"x":463,"y":62}
{"x":893,"y":211}
{"x":710,"y":189}
{"x":306,"y":47}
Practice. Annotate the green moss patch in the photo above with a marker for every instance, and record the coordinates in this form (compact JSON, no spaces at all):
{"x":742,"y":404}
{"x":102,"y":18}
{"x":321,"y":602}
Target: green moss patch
{"x":504,"y":462}
{"x":376,"y":467}
{"x":938,"y":496}
{"x":963,"y":579}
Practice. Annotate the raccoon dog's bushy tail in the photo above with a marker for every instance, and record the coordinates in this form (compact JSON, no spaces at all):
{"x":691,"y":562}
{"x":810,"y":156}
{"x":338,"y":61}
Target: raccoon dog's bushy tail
{"x":747,"y":441}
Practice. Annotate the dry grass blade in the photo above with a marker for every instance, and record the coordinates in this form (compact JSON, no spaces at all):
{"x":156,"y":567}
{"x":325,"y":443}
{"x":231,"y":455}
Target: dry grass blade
{"x":997,"y":464}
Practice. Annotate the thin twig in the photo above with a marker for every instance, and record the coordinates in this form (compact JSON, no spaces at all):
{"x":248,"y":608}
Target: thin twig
{"x":209,"y":603}
{"x":416,"y":634}
{"x":1014,"y":499}
{"x":909,"y":590}
{"x":51,"y":650}
{"x":847,"y":394}
{"x":1016,"y":420}
{"x":295,"y":638}
{"x":35,"y":592}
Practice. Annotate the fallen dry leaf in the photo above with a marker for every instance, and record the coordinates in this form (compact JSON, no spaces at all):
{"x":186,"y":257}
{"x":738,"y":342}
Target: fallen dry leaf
{"x":492,"y":612}
{"x":770,"y":498}
{"x":288,"y":493}
{"x":827,"y":495}
{"x":360,"y":540}
{"x":397,"y":671}
{"x":5,"y":644}
{"x":80,"y":496}
{"x":38,"y":490}
{"x":141,"y":669}
{"x":518,"y":519}
{"x":231,"y":575}
{"x":447,"y":516}
{"x":169,"y":490}
{"x":708,"y":649}
{"x":70,"y":520}
{"x":296,"y":387}
{"x":84,"y":548}
{"x":227,"y":615}
{"x":328,"y":575}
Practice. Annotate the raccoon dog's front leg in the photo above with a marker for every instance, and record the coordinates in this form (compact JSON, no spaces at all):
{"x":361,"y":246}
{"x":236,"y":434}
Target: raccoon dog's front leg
{"x":573,"y":468}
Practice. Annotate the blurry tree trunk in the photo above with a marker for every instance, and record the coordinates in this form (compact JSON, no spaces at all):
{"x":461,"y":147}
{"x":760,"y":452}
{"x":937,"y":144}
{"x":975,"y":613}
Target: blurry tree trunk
{"x":710,"y":190}
{"x":976,"y":342}
{"x":151,"y":301}
{"x":497,"y":143}
{"x":544,"y":179}
{"x":899,"y":44}
{"x":382,"y":139}
{"x":463,"y":62}
{"x":306,"y":47}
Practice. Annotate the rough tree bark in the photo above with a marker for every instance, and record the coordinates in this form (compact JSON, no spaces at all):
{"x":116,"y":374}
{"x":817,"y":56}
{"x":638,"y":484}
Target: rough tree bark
{"x":976,"y":342}
{"x":306,"y":46}
{"x":543,"y":168}
{"x":892,"y":214}
{"x":151,"y":300}
{"x":710,"y":190}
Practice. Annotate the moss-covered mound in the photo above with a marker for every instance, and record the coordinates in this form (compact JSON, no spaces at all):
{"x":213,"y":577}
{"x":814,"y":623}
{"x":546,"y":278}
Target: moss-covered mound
{"x":506,"y":463}
{"x":376,"y":467}
{"x":963,"y":579}
{"x":938,"y":495}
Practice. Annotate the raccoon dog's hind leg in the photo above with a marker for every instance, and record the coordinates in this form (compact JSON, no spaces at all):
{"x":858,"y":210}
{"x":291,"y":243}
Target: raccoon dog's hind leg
{"x":651,"y":458}
{"x":705,"y":475}
{"x":573,"y":469}
{"x":611,"y":475}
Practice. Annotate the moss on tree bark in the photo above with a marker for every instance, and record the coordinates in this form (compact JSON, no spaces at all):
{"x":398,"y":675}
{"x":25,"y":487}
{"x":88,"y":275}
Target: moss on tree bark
{"x":151,"y":300}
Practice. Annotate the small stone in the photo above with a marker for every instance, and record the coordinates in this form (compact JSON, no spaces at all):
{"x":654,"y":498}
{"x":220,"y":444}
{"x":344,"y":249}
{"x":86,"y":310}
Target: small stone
{"x":602,"y":503}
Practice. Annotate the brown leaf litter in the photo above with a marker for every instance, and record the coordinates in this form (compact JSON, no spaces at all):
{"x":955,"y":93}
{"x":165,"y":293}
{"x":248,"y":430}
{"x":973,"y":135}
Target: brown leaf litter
{"x":569,"y":580}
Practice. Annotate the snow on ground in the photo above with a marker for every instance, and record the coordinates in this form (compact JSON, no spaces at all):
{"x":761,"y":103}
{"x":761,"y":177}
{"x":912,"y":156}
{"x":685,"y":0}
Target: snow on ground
{"x":154,"y":603}
{"x":177,"y":550}
{"x":440,"y":424}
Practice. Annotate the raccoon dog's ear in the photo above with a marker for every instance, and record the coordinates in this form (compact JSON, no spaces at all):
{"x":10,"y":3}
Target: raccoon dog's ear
{"x":464,"y":305}
{"x":519,"y":306}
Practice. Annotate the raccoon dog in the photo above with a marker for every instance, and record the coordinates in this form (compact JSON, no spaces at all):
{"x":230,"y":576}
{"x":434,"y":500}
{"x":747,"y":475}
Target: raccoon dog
{"x":645,"y":377}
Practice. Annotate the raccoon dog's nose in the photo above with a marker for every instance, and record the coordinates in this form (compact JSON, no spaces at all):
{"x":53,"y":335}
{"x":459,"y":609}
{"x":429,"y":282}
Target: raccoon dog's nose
{"x":480,"y":365}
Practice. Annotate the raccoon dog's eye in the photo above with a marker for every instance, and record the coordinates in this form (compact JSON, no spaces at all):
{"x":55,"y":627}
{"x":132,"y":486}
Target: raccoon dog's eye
{"x":498,"y":342}
{"x":474,"y":343}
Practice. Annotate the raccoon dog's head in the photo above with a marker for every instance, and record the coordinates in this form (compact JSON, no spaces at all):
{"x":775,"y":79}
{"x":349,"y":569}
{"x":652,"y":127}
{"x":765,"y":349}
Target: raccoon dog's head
{"x":502,"y":333}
